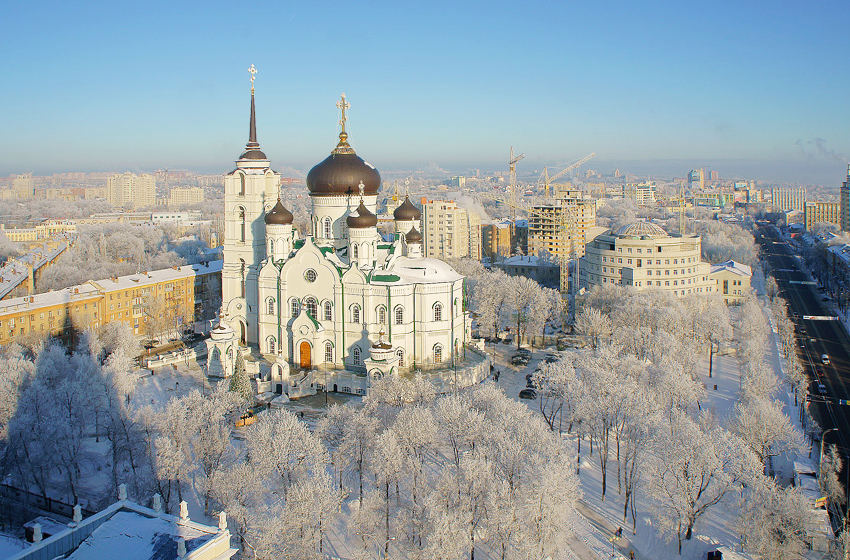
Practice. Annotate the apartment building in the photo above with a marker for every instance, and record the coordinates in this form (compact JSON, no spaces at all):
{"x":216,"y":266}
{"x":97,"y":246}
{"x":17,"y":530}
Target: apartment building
{"x":642,"y":193}
{"x":160,"y":300}
{"x":570,"y":211}
{"x":819,"y":212}
{"x":784,"y":199}
{"x":496,"y":239}
{"x":126,"y":190}
{"x":185,"y":196}
{"x":451,"y":231}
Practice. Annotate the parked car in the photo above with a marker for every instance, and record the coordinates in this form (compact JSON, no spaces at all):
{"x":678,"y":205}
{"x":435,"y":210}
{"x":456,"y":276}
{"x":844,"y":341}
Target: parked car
{"x":824,"y":359}
{"x":519,"y":360}
{"x":551,"y":358}
{"x":524,"y":351}
{"x":528,"y":394}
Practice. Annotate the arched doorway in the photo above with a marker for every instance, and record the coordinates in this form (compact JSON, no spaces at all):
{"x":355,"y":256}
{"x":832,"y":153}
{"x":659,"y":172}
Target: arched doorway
{"x":304,"y":355}
{"x":242,"y":335}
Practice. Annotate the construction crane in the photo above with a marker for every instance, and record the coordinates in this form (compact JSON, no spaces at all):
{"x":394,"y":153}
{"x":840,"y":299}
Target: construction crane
{"x":512,"y":161}
{"x":547,"y":180}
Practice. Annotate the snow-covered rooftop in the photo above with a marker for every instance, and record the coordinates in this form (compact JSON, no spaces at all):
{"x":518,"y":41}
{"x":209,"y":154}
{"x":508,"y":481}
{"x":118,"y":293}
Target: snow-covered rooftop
{"x":418,"y":271}
{"x":732,"y":266}
{"x":16,"y":270}
{"x":525,"y":260}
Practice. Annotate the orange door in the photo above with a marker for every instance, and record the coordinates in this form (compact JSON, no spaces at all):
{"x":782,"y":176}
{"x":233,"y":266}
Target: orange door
{"x":304,"y":362}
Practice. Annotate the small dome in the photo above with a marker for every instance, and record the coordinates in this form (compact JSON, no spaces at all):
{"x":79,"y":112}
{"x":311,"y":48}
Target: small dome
{"x":363,"y":219}
{"x":222,"y":331}
{"x":642,"y":229}
{"x":254,"y":154}
{"x":279,"y":215}
{"x":413,"y":236}
{"x":342,"y":172}
{"x":407,"y":211}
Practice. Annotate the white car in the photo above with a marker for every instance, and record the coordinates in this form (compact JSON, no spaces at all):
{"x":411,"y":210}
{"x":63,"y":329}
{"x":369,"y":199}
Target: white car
{"x":824,"y":359}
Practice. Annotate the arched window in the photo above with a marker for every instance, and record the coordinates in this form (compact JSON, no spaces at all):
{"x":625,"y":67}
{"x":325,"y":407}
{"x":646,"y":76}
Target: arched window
{"x":242,"y":184}
{"x":364,"y":250}
{"x":270,"y":342}
{"x":382,"y":314}
{"x":270,"y":305}
{"x":241,"y":224}
{"x":242,"y":276}
{"x":312,"y":306}
{"x":271,"y":247}
{"x":400,"y":354}
{"x":438,"y":311}
{"x":399,"y":315}
{"x":329,"y":311}
{"x":355,"y":313}
{"x":354,"y":251}
{"x":329,"y":352}
{"x":293,"y":307}
{"x":438,"y":353}
{"x":327,"y":227}
{"x":355,"y":355}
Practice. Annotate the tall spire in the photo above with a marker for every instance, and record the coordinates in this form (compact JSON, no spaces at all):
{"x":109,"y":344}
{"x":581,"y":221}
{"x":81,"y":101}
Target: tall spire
{"x":252,"y":148}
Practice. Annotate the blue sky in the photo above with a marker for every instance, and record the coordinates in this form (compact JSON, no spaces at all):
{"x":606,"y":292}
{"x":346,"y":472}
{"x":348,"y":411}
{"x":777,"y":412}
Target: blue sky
{"x":763,"y":86}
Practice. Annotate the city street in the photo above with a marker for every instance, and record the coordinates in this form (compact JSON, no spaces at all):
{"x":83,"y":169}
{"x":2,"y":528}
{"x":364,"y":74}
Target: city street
{"x":816,"y":337}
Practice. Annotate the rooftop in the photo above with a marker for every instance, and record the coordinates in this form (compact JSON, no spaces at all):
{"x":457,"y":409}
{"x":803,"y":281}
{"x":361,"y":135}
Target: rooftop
{"x":642,"y":230}
{"x":732,"y":266}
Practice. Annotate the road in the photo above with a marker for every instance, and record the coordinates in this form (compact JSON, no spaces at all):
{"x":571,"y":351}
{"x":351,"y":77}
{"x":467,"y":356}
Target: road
{"x":816,"y":337}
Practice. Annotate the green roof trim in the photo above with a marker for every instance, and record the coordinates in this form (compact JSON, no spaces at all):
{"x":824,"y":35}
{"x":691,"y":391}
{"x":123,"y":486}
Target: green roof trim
{"x":386,"y":246}
{"x":385,"y":278}
{"x":299,"y":244}
{"x":326,"y":250}
{"x":315,"y":323}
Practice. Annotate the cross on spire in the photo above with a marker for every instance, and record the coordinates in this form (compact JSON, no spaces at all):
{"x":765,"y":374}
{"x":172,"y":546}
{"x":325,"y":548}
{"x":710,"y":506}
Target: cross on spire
{"x":343,"y":105}
{"x":362,"y":188}
{"x":253,"y":71}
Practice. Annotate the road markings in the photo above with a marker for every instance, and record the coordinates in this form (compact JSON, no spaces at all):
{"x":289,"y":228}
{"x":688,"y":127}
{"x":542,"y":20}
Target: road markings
{"x":806,"y":282}
{"x":820,"y":317}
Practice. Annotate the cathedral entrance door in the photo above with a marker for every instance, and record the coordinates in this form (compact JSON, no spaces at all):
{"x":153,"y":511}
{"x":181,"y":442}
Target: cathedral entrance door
{"x":304,"y":351}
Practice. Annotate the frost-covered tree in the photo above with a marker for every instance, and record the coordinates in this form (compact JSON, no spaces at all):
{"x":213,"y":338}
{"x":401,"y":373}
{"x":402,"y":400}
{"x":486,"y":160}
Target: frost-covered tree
{"x":593,"y":324}
{"x":239,"y":381}
{"x":772,"y":521}
{"x":767,"y":431}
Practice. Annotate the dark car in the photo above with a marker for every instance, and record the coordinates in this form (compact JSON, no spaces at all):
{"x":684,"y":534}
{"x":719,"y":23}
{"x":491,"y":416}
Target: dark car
{"x":524,"y":351}
{"x":551,"y":358}
{"x":528,"y":394}
{"x":519,"y":360}
{"x":528,"y":377}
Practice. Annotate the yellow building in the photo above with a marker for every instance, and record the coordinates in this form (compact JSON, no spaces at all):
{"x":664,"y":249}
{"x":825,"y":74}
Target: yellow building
{"x":451,"y":232}
{"x":126,"y":190}
{"x":643,"y":255}
{"x":40,"y":232}
{"x":496,"y":239}
{"x":733,"y":280}
{"x":185,"y":196}
{"x":150,"y":303}
{"x":822,"y":213}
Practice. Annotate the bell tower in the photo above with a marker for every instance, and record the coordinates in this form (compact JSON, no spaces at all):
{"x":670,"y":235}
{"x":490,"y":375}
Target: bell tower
{"x":249,"y":191}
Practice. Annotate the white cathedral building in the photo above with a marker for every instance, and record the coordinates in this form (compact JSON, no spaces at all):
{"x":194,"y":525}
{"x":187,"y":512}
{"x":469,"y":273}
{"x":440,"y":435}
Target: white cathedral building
{"x":339,"y":304}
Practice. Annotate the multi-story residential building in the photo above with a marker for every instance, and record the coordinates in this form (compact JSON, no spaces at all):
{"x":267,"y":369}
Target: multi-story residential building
{"x":844,"y":211}
{"x":184,"y":196}
{"x":820,"y":212}
{"x":696,"y":180}
{"x":23,"y":187}
{"x":732,"y":280}
{"x":784,"y":198}
{"x":642,"y":193}
{"x":40,"y":232}
{"x":166,"y":299}
{"x":496,"y":239}
{"x":570,"y":211}
{"x":643,"y":255}
{"x":451,"y":232}
{"x":126,"y":190}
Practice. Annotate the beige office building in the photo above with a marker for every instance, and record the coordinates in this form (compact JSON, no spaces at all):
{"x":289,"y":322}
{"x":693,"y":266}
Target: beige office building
{"x":642,"y":193}
{"x":185,"y":196}
{"x":643,"y":255}
{"x":451,"y":232}
{"x":822,"y":213}
{"x":126,"y":190}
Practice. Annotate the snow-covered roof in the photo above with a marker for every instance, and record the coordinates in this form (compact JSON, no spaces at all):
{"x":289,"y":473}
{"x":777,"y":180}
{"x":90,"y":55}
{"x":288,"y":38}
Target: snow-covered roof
{"x":16,"y":270}
{"x":416,"y":271}
{"x":525,"y":260}
{"x":841,"y":251}
{"x":732,"y":266}
{"x":642,"y":229}
{"x":95,"y":287}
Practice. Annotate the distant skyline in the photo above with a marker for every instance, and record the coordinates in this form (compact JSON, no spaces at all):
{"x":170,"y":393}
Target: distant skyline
{"x":750,"y":89}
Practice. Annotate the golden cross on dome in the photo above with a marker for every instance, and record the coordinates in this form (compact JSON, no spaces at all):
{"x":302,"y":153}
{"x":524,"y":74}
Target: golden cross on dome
{"x":342,"y":105}
{"x":253,"y":71}
{"x":362,"y":188}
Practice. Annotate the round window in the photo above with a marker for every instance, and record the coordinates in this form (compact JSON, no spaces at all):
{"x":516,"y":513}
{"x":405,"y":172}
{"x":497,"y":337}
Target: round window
{"x":310,"y":275}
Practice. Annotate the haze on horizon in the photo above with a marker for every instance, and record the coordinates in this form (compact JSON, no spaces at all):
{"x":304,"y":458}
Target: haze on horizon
{"x":750,"y":90}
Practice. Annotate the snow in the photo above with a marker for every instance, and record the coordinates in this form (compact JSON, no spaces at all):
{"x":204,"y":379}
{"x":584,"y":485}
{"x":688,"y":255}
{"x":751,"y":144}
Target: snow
{"x":138,"y":537}
{"x":10,"y":546}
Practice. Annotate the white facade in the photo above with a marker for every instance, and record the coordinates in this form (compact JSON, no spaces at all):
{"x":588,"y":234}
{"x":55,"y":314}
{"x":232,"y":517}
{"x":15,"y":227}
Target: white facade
{"x":320,"y":301}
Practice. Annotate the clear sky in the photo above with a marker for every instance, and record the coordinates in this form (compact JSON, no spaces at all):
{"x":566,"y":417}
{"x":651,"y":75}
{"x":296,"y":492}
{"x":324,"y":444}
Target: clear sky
{"x":756,"y":86}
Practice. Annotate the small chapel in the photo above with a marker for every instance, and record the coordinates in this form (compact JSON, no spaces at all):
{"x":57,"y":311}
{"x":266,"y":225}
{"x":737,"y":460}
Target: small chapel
{"x":340,"y":304}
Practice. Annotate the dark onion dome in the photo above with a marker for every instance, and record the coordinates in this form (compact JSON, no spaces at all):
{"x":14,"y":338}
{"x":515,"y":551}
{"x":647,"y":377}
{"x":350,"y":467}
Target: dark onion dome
{"x":363,"y":219}
{"x":279,"y":215}
{"x":342,"y":172}
{"x":407,"y":211}
{"x":413,"y":236}
{"x":381,"y":345}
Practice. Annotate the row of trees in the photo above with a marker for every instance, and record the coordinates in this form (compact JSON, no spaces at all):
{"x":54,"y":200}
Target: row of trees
{"x":636,"y":399}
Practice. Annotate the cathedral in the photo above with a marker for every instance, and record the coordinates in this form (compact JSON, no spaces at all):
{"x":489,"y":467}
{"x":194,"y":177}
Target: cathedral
{"x":335,"y":306}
